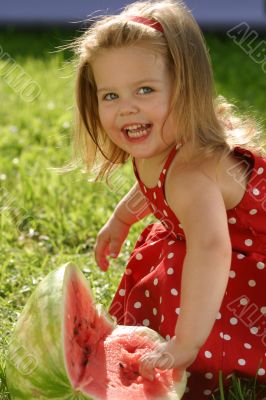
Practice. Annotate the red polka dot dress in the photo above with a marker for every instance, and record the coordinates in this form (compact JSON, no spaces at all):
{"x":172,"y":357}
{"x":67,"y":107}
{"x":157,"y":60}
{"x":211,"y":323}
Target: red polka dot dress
{"x":149,"y":292}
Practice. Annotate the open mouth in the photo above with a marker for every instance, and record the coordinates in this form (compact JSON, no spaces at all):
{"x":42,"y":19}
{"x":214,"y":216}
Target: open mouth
{"x":137,"y":131}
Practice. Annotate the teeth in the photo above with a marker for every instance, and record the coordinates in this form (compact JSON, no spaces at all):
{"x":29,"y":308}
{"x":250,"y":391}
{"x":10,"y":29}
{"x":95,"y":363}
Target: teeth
{"x":136,"y":130}
{"x":134,"y":127}
{"x":137,"y":134}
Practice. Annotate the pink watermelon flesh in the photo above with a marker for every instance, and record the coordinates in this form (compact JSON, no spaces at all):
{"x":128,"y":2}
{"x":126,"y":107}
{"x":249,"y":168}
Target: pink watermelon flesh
{"x":102,"y":361}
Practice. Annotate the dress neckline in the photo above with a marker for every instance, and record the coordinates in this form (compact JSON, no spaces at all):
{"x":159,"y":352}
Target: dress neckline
{"x":161,"y":179}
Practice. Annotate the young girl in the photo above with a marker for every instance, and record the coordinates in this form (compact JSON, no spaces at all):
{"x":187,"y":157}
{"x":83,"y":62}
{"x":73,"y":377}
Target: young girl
{"x":197,"y":276}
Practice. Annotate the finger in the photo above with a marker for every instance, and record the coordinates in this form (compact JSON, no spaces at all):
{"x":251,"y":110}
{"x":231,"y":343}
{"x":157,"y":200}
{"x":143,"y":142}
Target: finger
{"x":115,"y":247}
{"x":165,"y":361}
{"x":146,"y":367}
{"x":101,"y":249}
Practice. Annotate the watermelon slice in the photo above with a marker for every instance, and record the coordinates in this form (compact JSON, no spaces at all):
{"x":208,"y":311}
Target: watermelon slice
{"x":66,"y":347}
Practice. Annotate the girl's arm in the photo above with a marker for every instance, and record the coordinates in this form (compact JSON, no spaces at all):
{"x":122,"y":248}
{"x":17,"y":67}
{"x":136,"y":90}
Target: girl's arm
{"x":198,"y":203}
{"x":133,"y":207}
{"x":111,"y":237}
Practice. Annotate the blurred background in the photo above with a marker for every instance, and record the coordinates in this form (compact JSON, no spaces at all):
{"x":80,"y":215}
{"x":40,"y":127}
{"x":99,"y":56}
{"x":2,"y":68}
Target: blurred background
{"x":210,"y":14}
{"x":46,"y":218}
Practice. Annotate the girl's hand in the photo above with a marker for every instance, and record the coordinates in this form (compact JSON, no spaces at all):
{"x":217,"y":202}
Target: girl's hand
{"x":172,"y":354}
{"x":109,"y":241}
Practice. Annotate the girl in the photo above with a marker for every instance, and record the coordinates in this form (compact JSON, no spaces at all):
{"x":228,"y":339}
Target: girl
{"x":145,"y":92}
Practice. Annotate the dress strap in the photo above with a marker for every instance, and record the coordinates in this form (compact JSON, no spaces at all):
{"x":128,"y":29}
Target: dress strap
{"x":163,"y":172}
{"x":168,"y":162}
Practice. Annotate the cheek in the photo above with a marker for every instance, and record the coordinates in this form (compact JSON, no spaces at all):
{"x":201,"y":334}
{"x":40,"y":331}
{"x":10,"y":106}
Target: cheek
{"x":104,"y":116}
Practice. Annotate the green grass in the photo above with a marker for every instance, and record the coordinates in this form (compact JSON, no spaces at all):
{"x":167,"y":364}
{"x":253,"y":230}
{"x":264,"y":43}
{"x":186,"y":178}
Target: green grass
{"x":48,"y":219}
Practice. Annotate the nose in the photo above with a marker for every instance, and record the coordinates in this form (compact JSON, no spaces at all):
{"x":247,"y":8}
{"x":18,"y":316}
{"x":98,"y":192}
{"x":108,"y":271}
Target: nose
{"x":128,"y":107}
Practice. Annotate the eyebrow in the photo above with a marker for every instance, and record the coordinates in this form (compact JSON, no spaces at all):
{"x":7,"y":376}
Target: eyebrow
{"x":135,"y":83}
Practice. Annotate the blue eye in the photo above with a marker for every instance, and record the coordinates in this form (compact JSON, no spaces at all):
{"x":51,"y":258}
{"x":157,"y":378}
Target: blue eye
{"x":146,"y":89}
{"x":109,"y":94}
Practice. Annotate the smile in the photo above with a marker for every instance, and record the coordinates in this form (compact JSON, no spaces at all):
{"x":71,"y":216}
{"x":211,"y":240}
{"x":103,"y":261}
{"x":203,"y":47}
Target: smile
{"x":137,"y":132}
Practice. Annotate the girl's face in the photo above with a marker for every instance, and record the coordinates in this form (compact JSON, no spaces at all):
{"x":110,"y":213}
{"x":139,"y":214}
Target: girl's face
{"x":134,"y":90}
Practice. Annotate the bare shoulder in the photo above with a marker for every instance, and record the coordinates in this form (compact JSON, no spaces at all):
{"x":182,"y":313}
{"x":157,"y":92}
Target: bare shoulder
{"x":218,"y":172}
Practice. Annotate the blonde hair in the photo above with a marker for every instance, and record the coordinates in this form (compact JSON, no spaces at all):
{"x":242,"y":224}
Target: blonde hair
{"x":210,"y":123}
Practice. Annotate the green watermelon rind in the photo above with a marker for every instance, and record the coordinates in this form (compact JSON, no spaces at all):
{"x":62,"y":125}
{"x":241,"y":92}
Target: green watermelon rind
{"x":36,"y":347}
{"x":38,"y":337}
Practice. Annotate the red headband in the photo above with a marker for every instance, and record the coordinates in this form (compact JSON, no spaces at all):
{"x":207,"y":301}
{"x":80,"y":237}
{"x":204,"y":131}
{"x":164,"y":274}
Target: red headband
{"x":150,"y":22}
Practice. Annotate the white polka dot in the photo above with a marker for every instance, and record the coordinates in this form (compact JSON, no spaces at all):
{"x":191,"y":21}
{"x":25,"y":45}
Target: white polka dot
{"x":260,"y":265}
{"x":232,"y":274}
{"x":164,"y":171}
{"x":165,"y":213}
{"x":241,"y":361}
{"x":209,"y":375}
{"x":128,"y":271}
{"x":171,"y":242}
{"x":155,"y":281}
{"x":247,"y":346}
{"x":146,"y":322}
{"x":147,"y":293}
{"x":170,"y":255}
{"x":154,"y":311}
{"x":161,"y":299}
{"x":255,"y":191}
{"x":174,"y":292}
{"x":180,"y":226}
{"x":248,"y":242}
{"x":167,"y":337}
{"x":208,"y":354}
{"x":221,"y":335}
{"x":227,"y":337}
{"x":241,"y":256}
{"x":261,"y":371}
{"x":254,"y":330}
{"x":170,"y":271}
{"x":232,"y":220}
{"x":251,"y":283}
{"x":177,"y":310}
{"x":253,"y":211}
{"x":233,"y":321}
{"x":243,"y":301}
{"x":154,"y":195}
{"x":153,"y":207}
{"x":219,"y":315}
{"x":260,"y":171}
{"x":122,"y":292}
{"x":162,"y":318}
{"x":139,"y":256}
{"x":263,"y":310}
{"x":207,"y":392}
{"x":159,"y":184}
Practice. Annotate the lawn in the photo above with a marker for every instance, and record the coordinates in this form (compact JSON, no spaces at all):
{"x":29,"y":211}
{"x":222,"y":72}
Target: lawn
{"x":48,"y":218}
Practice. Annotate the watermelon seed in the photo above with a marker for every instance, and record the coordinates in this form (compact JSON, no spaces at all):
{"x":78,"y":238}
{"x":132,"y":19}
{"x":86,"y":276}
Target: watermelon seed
{"x":121,"y":365}
{"x":85,"y":362}
{"x":75,"y":331}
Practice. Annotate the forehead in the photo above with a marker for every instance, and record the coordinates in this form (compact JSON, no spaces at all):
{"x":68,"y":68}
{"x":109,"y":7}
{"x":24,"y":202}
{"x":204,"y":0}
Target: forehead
{"x":126,"y":64}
